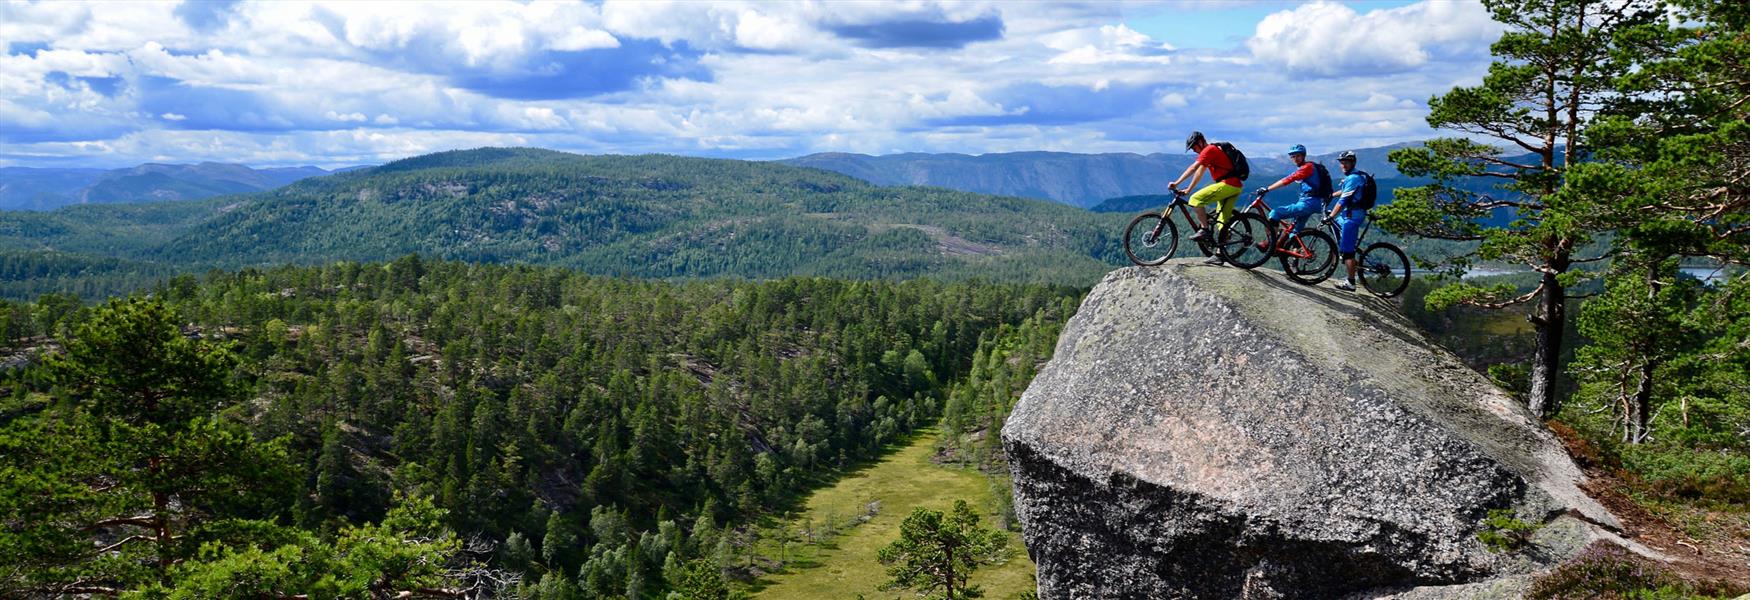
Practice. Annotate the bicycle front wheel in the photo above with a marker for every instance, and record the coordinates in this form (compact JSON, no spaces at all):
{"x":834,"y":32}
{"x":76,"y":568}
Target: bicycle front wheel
{"x":1320,"y":255}
{"x":1384,"y":270}
{"x":1150,"y":240}
{"x":1246,"y":241}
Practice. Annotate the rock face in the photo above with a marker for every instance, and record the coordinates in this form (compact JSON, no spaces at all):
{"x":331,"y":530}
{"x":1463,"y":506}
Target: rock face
{"x":1207,"y":432}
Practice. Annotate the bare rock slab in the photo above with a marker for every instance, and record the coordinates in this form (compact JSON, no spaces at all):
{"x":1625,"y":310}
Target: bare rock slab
{"x":1207,"y":432}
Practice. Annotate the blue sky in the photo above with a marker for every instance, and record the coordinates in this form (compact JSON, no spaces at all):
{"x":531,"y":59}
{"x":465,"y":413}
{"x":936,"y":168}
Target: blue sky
{"x":340,"y":83}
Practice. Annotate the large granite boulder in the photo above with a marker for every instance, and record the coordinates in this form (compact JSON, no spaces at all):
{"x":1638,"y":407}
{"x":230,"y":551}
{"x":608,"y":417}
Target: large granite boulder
{"x":1208,"y":432}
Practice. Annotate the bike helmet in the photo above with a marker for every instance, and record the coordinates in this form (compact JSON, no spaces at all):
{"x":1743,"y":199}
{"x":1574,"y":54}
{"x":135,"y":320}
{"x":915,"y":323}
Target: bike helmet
{"x":1193,"y":140}
{"x":1347,"y":155}
{"x":1297,"y":149}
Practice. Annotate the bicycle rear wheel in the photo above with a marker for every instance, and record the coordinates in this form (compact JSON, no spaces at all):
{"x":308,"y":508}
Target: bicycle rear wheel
{"x":1312,"y":269}
{"x":1246,"y":241}
{"x":1384,"y":270}
{"x":1144,"y":246}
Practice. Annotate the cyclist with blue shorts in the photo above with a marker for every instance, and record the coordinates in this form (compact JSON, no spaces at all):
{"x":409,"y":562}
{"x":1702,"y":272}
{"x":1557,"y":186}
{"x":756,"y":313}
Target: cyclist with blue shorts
{"x":1315,"y":187}
{"x":1348,"y":218}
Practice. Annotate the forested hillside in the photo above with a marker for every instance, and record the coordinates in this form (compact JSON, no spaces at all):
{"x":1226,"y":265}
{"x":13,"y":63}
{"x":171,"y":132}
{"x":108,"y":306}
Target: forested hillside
{"x":587,"y":433}
{"x":650,"y":216}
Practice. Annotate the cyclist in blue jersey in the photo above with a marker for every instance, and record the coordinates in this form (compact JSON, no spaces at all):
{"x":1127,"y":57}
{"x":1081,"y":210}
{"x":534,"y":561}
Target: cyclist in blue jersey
{"x":1349,"y":220}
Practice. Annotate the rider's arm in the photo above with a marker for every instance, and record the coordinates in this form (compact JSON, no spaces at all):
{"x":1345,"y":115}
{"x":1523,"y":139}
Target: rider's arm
{"x":1194,"y":172}
{"x":1342,"y":196}
{"x":1305,"y":171}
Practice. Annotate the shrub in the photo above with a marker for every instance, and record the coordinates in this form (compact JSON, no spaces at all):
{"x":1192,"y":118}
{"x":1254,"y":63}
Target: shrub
{"x":1504,"y":532}
{"x":1713,"y":476}
{"x":1606,"y":571}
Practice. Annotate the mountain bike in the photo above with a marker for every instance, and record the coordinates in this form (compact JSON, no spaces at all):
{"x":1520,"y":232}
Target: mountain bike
{"x":1250,"y":239}
{"x":1383,"y":267}
{"x":1152,"y":238}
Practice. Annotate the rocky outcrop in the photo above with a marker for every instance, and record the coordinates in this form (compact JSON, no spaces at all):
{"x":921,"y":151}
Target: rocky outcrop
{"x":1207,"y":432}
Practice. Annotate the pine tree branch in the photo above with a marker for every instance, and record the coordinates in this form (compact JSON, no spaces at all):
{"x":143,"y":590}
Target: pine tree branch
{"x":77,"y":587}
{"x":1512,"y":176}
{"x":1489,"y":202}
{"x":139,"y":521}
{"x":1507,"y":163}
{"x":1499,"y":305}
{"x":1688,"y":123}
{"x":125,"y":541}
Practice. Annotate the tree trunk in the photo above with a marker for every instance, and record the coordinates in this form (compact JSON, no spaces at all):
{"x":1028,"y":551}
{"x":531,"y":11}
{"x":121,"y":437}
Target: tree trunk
{"x":949,"y":583}
{"x":160,"y":521}
{"x":1642,"y":404}
{"x":1546,"y":365}
{"x":1643,"y":399}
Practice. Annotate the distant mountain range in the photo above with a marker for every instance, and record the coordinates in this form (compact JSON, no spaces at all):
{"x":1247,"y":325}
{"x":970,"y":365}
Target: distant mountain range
{"x":23,"y":188}
{"x":1083,"y":180}
{"x":646,"y":216}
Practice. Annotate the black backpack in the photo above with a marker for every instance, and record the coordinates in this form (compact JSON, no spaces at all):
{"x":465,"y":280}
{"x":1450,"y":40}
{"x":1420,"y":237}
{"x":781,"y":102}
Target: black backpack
{"x":1369,"y":193}
{"x":1322,"y":189}
{"x":1240,"y":170}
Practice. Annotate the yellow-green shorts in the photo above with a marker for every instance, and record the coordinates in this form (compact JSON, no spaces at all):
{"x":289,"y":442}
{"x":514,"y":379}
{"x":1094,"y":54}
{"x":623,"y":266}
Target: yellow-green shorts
{"x":1217,"y":193}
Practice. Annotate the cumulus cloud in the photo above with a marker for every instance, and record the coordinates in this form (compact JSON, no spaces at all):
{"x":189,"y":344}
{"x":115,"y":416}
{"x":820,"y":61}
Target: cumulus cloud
{"x":1106,"y":44}
{"x":1327,"y":39}
{"x":341,"y":82}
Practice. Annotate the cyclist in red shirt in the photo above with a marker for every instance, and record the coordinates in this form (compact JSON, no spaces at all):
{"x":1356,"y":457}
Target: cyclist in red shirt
{"x":1222,"y":190}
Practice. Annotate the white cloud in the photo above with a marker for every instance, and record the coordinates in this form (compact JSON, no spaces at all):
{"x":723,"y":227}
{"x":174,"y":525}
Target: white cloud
{"x":578,"y":38}
{"x":764,"y":32}
{"x":348,"y":82}
{"x":1106,"y":44}
{"x":1325,"y":39}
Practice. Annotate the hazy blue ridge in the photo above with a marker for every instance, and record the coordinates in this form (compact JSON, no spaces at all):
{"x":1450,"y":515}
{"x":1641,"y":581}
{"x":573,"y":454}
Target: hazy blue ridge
{"x":1083,"y":180}
{"x":23,"y":188}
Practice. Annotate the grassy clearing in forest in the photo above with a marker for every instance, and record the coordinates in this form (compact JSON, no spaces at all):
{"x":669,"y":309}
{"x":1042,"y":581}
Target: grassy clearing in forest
{"x":844,"y":565}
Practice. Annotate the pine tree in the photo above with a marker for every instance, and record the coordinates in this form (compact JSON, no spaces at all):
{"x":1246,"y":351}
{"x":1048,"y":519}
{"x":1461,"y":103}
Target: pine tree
{"x":103,"y":491}
{"x":1674,"y":144}
{"x":936,"y":554}
{"x":703,"y":580}
{"x":1555,"y":65}
{"x":558,"y":545}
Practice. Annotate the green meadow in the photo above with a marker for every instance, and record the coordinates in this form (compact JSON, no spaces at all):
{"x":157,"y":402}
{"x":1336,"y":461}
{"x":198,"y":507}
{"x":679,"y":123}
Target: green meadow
{"x":844,"y":565}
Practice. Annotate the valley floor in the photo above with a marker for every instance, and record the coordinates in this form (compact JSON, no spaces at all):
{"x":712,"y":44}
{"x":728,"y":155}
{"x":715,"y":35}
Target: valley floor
{"x":845,"y":567}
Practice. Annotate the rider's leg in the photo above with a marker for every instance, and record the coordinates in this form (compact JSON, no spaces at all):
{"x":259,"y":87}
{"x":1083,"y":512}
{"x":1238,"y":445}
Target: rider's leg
{"x":1225,"y":208}
{"x":1214,"y":193}
{"x":1293,"y":216}
{"x":1348,"y":238}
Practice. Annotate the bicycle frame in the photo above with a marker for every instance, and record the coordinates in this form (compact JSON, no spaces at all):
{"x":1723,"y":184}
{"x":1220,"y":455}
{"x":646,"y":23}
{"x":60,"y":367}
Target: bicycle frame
{"x":1330,"y":226}
{"x":1181,"y":200}
{"x":1289,"y":234}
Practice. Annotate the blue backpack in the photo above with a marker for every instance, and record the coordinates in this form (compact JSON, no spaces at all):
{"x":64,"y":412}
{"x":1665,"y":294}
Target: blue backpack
{"x":1369,"y":193}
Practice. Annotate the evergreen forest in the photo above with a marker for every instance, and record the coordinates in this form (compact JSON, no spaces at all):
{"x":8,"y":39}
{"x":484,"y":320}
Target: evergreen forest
{"x":514,"y":372}
{"x":574,"y":435}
